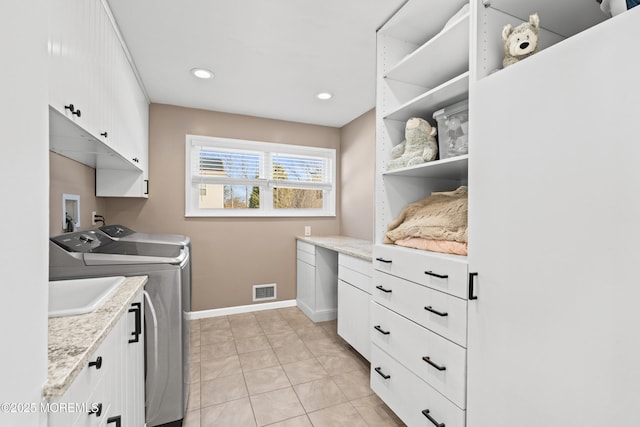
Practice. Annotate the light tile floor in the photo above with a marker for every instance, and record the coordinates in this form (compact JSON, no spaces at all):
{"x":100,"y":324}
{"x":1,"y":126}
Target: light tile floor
{"x":278,"y":368}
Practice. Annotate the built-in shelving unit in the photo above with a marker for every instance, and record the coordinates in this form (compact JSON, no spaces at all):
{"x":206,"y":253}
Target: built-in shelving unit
{"x":432,"y":55}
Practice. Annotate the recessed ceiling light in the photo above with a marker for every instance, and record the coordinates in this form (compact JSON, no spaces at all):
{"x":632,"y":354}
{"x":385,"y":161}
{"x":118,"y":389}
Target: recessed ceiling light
{"x":324,"y":96}
{"x":201,"y":73}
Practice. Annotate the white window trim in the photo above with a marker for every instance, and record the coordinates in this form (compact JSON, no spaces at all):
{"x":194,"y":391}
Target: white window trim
{"x":265,"y":210}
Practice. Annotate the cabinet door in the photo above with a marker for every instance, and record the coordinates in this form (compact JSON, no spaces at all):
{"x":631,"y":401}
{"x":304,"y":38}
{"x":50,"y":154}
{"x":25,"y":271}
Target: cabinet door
{"x":353,"y":317}
{"x":554,"y":211}
{"x":306,"y":283}
{"x":69,"y":38}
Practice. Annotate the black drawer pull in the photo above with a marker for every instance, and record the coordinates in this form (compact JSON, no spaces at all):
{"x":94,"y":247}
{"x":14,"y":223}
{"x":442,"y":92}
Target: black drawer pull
{"x":382,"y":374}
{"x":439,"y":313}
{"x":97,"y":363}
{"x":382,"y":331}
{"x":105,"y":134}
{"x":379,"y":287}
{"x":428,"y":360}
{"x":116,"y":419}
{"x":137,"y":309}
{"x":430,"y":418}
{"x":97,"y":410}
{"x":386,"y":261}
{"x":471,"y":277}
{"x":439,"y":276}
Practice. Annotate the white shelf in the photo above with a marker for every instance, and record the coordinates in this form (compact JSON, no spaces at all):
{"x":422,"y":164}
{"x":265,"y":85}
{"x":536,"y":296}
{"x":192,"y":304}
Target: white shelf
{"x":444,"y":56}
{"x":426,"y":104}
{"x":418,"y":20}
{"x":566,"y":17}
{"x":454,"y":168}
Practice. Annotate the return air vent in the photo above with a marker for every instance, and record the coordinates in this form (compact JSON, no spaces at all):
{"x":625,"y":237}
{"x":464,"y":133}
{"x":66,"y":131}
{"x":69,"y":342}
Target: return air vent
{"x":264,"y":292}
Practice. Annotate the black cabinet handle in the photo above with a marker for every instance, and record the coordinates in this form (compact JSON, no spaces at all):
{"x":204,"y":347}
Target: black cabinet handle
{"x":146,"y":181}
{"x":135,"y":159}
{"x":137,"y":309}
{"x":379,"y":287}
{"x":386,"y":261}
{"x":382,"y":374}
{"x":428,"y":360}
{"x":105,"y":134}
{"x":116,"y":419}
{"x":382,"y":331}
{"x":97,"y":363}
{"x":73,"y":110}
{"x":439,"y":313}
{"x":430,"y":418}
{"x":439,"y":276}
{"x":96,"y":410}
{"x":471,"y":276}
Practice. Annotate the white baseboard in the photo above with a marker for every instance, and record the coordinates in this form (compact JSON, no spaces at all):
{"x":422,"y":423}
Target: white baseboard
{"x":216,"y":312}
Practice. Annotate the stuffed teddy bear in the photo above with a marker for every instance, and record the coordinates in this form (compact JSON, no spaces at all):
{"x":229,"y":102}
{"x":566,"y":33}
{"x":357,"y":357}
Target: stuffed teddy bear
{"x":520,"y":42}
{"x":419,"y":145}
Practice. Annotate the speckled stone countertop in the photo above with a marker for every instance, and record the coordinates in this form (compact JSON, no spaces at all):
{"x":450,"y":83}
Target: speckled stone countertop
{"x":342,"y":244}
{"x":73,"y":339}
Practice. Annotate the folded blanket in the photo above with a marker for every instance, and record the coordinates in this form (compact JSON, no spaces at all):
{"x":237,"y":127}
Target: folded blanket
{"x":441,"y":216}
{"x":442,"y":246}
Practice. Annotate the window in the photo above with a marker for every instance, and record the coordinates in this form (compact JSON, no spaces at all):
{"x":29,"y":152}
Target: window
{"x":231,"y":177}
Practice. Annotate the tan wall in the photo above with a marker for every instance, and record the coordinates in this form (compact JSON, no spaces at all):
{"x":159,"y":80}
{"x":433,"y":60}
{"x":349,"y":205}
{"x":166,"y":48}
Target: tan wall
{"x":358,"y":176}
{"x":230,"y":255}
{"x":70,"y":177}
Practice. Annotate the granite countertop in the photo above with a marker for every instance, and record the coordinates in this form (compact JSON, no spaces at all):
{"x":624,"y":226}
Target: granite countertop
{"x":347,"y":245}
{"x":73,"y":339}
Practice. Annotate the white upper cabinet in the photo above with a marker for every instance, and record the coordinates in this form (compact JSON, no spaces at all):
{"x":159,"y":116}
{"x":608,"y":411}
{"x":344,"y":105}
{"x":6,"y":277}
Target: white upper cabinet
{"x":93,"y":86}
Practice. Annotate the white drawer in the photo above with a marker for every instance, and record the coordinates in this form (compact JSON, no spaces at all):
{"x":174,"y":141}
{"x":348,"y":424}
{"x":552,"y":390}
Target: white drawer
{"x":306,"y":257}
{"x":444,"y":272}
{"x":410,"y":343}
{"x":442,"y":313}
{"x":408,"y":396}
{"x":306,"y":247}
{"x":357,"y":264}
{"x":355,"y":278}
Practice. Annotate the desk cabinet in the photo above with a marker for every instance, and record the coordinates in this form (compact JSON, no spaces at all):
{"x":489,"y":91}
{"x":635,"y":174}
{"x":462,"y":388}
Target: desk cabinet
{"x":317,"y":279}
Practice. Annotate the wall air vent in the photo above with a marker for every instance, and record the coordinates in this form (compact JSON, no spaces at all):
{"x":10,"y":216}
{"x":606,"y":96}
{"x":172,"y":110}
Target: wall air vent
{"x":264,"y":292}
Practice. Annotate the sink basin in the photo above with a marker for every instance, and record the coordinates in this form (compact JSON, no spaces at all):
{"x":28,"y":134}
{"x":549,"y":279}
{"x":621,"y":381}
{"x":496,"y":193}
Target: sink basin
{"x":80,"y":296}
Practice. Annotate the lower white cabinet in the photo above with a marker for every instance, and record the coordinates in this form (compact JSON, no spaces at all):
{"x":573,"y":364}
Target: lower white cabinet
{"x":316,"y":277}
{"x":109,"y":391}
{"x":412,"y":399}
{"x":418,"y":330}
{"x":354,"y":295}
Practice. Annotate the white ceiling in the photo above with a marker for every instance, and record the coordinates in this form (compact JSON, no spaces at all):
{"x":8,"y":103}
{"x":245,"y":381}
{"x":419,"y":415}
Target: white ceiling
{"x":269,"y":57}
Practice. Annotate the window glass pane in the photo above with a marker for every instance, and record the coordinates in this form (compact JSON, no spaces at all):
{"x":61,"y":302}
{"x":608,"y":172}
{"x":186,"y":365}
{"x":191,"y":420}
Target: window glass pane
{"x":232,"y":164}
{"x":297,"y":198}
{"x":298,"y":168}
{"x":219,"y":196}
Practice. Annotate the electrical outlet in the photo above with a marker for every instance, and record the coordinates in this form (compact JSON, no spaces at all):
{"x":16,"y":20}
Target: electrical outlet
{"x":93,"y":218}
{"x":307,"y":230}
